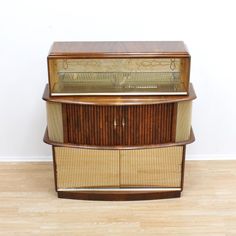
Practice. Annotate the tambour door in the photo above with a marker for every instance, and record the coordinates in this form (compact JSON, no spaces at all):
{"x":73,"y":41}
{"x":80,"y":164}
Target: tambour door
{"x":92,"y":125}
{"x":119,"y":125}
{"x":148,"y":124}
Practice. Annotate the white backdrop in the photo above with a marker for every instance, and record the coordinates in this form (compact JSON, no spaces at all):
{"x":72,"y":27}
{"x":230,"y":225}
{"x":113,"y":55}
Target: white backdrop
{"x":29,"y":27}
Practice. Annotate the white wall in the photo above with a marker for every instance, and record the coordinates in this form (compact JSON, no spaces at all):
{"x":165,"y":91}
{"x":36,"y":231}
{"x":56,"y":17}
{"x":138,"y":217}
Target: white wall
{"x":29,"y":27}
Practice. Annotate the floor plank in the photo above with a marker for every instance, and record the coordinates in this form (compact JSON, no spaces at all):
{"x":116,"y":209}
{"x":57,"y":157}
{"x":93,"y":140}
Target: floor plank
{"x":29,"y":205}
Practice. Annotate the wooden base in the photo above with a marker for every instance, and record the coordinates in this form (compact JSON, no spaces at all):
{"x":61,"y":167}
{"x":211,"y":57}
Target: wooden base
{"x":119,"y":196}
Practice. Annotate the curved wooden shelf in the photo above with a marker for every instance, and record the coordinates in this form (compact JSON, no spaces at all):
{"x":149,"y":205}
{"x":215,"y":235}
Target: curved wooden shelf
{"x":119,"y":100}
{"x":57,"y":144}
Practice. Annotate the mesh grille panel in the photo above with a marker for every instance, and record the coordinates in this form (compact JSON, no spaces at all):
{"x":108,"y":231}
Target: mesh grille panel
{"x":83,"y":168}
{"x":160,"y":167}
{"x":86,"y":168}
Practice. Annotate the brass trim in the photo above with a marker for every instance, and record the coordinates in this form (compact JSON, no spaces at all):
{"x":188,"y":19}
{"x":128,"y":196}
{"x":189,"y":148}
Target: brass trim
{"x":130,"y":189}
{"x":114,"y":94}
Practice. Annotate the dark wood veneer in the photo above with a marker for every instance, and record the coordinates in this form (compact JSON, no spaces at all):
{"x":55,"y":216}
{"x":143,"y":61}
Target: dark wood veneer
{"x":134,"y":125}
{"x":119,"y":196}
{"x":54,"y":167}
{"x":183,"y":168}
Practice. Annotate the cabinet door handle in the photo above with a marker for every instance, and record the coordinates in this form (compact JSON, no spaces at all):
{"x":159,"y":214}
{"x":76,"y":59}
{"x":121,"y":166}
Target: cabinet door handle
{"x":114,"y":123}
{"x":123,"y":122}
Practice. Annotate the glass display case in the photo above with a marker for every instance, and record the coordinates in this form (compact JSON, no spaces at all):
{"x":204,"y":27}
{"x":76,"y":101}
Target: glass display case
{"x":118,"y":68}
{"x":163,"y":76}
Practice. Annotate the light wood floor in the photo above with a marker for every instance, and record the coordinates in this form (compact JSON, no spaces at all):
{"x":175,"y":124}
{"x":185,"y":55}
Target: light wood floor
{"x":29,"y":205}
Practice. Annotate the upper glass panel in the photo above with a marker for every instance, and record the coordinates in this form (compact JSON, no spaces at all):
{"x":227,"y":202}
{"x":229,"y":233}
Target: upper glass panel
{"x":161,"y":76}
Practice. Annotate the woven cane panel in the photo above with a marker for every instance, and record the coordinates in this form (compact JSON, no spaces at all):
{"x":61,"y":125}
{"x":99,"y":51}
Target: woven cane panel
{"x":183,"y":125}
{"x":160,"y":167}
{"x":55,"y":123}
{"x":86,"y":168}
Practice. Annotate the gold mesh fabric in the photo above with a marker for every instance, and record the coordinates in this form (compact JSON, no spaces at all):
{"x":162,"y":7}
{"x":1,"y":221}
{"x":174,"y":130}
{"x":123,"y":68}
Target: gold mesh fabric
{"x":159,"y":167}
{"x":55,"y":123}
{"x":183,"y":125}
{"x":86,"y":168}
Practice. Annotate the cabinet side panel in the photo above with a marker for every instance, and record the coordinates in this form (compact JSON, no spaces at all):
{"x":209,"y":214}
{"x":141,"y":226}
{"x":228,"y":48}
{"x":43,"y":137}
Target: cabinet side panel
{"x":183,"y":125}
{"x":84,"y":168}
{"x":55,"y":123}
{"x":52,"y":73}
{"x":159,"y":167}
{"x":185,"y":72}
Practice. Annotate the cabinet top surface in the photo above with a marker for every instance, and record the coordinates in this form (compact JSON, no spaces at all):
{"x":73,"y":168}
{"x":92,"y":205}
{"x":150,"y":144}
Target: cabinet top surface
{"x":116,"y":49}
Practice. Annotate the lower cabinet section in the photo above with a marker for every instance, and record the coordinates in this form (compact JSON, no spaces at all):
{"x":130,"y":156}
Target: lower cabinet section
{"x":119,"y":174}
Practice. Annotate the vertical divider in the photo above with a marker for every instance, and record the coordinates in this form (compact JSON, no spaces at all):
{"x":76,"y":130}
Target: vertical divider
{"x":65,"y":122}
{"x":174,"y":121}
{"x":119,"y":167}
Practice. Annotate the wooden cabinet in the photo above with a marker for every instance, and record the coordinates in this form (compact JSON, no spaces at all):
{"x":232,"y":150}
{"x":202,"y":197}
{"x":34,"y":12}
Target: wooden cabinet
{"x":119,"y":119}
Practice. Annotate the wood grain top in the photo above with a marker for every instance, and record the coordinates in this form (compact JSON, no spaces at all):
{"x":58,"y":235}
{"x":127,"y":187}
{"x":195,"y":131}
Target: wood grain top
{"x":118,"y":49}
{"x":119,"y":100}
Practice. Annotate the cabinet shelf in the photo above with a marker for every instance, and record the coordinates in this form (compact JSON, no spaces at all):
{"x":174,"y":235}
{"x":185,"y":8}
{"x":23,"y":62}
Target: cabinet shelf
{"x":118,"y":83}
